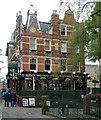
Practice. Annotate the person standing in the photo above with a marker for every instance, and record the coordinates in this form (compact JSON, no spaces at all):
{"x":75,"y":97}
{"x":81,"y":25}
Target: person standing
{"x":12,"y":98}
{"x":7,"y":98}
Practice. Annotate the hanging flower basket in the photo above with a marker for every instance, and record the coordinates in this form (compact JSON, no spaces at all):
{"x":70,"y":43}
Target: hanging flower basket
{"x":95,"y":81}
{"x":79,"y":81}
{"x":28,"y":78}
{"x":42,"y":78}
{"x":67,"y":80}
{"x":54,"y":79}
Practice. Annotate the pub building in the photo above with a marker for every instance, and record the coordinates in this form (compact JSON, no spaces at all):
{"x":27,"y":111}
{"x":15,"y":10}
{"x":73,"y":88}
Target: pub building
{"x":41,"y":53}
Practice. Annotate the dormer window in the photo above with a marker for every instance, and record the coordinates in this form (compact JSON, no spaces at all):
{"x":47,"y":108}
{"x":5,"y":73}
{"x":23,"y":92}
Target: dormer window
{"x":63,"y":30}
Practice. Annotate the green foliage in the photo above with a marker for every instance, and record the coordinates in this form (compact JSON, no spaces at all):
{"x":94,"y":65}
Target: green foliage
{"x":93,"y":28}
{"x":96,"y":113}
{"x":77,"y":43}
{"x":95,"y":81}
{"x":55,"y":79}
{"x":87,"y":38}
{"x":67,"y":80}
{"x":79,"y":81}
{"x":42,"y":78}
{"x":28,"y":79}
{"x":95,"y":90}
{"x":3,"y":82}
{"x":67,"y":94}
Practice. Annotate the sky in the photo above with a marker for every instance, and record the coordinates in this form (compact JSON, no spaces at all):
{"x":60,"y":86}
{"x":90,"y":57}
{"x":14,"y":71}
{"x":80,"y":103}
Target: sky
{"x":8,"y":10}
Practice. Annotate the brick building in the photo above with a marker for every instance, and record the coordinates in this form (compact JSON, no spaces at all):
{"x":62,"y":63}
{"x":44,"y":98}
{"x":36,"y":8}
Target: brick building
{"x":42,"y":49}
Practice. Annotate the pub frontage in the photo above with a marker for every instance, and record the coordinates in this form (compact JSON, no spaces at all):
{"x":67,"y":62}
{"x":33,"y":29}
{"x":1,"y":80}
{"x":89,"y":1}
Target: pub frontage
{"x":42,"y":53}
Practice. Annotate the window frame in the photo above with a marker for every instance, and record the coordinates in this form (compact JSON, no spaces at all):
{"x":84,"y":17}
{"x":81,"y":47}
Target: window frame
{"x":34,"y":44}
{"x":32,"y":63}
{"x":61,"y":30}
{"x":45,"y":64}
{"x":64,"y":51}
{"x":46,"y":46}
{"x":65,"y":65}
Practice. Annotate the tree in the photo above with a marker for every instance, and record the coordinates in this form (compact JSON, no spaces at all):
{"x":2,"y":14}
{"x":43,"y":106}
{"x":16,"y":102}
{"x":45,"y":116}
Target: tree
{"x":85,"y":39}
{"x":93,"y":28}
{"x":80,"y":8}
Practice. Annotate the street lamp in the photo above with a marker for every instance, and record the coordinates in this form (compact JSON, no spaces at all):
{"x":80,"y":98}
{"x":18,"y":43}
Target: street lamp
{"x":49,"y":72}
{"x":74,"y":79}
{"x":35,"y":71}
{"x":85,"y":81}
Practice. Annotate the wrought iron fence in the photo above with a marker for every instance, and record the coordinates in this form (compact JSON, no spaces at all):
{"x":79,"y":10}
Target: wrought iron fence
{"x":77,"y":109}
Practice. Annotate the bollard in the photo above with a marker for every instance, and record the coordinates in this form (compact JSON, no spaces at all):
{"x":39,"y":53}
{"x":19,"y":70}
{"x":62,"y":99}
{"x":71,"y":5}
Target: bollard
{"x":87,"y":104}
{"x":43,"y":102}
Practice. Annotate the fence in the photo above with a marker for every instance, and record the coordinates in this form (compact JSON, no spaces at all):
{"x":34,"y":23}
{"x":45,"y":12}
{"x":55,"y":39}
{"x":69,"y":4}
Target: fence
{"x":74,"y":109}
{"x":73,"y":94}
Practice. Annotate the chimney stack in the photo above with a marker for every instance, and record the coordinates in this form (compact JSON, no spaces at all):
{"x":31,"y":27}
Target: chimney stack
{"x":55,"y":23}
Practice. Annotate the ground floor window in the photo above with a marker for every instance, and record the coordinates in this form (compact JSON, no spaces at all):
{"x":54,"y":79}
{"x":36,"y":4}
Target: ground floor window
{"x":28,"y":84}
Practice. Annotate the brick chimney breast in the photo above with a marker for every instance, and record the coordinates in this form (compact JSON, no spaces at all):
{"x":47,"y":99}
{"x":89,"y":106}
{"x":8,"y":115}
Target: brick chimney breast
{"x":55,"y":23}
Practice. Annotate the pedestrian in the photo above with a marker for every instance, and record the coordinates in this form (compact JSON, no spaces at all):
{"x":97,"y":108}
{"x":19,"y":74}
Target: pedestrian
{"x":7,"y":98}
{"x":9,"y":90}
{"x":12,"y":98}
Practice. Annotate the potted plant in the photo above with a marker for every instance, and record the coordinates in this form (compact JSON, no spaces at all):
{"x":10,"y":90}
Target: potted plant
{"x":42,"y":78}
{"x":54,"y":80}
{"x":79,"y":81}
{"x":67,"y":80}
{"x":95,"y":81}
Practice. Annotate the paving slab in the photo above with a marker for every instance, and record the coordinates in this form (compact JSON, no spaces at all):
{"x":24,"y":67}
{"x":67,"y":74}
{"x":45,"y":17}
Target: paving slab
{"x":22,"y":112}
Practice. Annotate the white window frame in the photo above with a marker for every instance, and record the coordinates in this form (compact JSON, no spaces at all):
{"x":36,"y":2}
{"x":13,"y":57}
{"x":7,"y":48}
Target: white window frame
{"x":65,"y":30}
{"x":50,"y":64}
{"x":30,"y":63}
{"x":34,"y":44}
{"x":62,"y":48}
{"x":49,"y":45}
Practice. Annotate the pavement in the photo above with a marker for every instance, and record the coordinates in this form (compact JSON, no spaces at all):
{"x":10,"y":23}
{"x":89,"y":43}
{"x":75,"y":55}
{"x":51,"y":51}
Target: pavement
{"x":21,"y":112}
{"x":0,"y":111}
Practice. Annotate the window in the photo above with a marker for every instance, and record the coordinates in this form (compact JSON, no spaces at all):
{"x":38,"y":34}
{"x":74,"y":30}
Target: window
{"x":33,"y":44}
{"x":63,"y":47}
{"x":47,"y":64}
{"x":63,"y":30}
{"x":47,"y":45}
{"x":63,"y":65}
{"x":33,"y":62}
{"x":77,"y":67}
{"x":56,"y":46}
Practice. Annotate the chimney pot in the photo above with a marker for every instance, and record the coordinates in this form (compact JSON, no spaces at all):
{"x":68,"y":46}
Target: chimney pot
{"x":54,"y":11}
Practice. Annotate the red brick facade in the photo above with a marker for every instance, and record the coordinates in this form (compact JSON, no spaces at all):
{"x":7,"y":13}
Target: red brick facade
{"x":55,"y":39}
{"x":47,"y":45}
